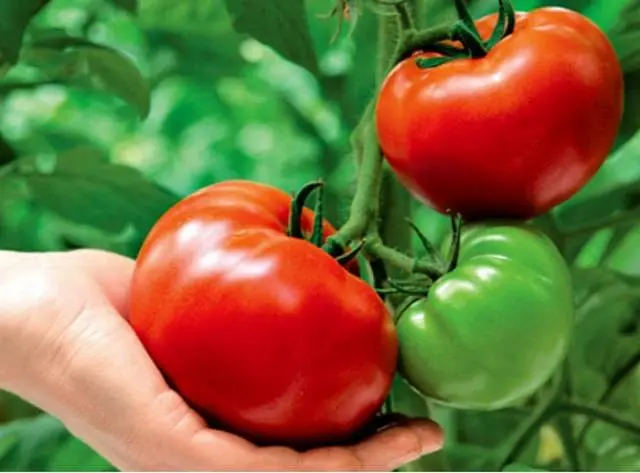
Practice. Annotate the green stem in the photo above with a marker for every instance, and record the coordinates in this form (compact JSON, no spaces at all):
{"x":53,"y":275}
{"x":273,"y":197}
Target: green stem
{"x":375,"y":247}
{"x":365,"y":201}
{"x":364,"y":206}
{"x":619,"y":377}
{"x":406,"y":17}
{"x":601,"y":414}
{"x":564,"y":423}
{"x":568,"y":440}
{"x":610,"y":222}
{"x":421,"y":40}
{"x":530,"y":427}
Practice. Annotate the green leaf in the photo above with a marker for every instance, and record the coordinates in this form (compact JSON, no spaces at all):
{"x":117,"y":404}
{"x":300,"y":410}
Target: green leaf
{"x":26,"y":445}
{"x":7,"y":153}
{"x":280,"y":24}
{"x":83,"y":188}
{"x":606,"y":318}
{"x":14,"y":19}
{"x":80,"y":62}
{"x":128,"y":5}
{"x":75,"y":455}
{"x":520,"y":467}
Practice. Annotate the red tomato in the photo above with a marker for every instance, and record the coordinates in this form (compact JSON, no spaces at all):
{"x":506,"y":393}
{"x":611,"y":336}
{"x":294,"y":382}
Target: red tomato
{"x":263,"y":333}
{"x":511,"y":134}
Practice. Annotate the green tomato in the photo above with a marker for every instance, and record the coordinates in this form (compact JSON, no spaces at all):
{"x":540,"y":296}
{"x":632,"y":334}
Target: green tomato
{"x":494,"y":329}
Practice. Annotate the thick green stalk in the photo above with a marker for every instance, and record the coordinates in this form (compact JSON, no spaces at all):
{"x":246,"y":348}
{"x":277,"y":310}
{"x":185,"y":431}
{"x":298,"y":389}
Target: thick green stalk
{"x":395,"y":207}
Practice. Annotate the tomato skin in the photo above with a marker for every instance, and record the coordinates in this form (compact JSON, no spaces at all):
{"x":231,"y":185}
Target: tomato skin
{"x":510,"y":135}
{"x":265,"y":334}
{"x":493,"y":330}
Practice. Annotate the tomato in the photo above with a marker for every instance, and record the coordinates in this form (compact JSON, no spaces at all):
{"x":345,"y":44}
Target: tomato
{"x":511,"y":134}
{"x":264,"y":334}
{"x":495,"y":328}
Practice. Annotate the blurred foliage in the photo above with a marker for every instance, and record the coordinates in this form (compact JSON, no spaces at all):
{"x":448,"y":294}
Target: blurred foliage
{"x":112,"y":109}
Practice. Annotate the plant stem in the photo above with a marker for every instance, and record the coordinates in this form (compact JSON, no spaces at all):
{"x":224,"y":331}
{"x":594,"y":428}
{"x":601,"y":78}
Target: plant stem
{"x":609,"y":222}
{"x":530,"y":427}
{"x":419,"y":40}
{"x":618,"y":378}
{"x":602,"y":414}
{"x":564,"y":424}
{"x":365,"y":204}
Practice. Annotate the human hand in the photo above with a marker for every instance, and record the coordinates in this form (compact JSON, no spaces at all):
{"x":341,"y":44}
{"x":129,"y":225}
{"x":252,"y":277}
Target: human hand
{"x":66,"y":346}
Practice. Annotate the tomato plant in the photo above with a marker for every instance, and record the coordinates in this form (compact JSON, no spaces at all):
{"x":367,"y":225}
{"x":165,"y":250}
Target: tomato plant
{"x":512,"y":132}
{"x":256,"y":328}
{"x":494,"y":329}
{"x":261,"y":330}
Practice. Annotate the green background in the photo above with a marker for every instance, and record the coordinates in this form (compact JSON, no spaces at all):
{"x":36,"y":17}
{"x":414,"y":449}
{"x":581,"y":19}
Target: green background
{"x":110,"y":110}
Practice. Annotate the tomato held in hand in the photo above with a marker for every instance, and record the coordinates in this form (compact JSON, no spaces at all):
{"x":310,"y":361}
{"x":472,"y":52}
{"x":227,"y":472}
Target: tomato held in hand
{"x":494,"y":329}
{"x":511,"y":134}
{"x":266,"y":334}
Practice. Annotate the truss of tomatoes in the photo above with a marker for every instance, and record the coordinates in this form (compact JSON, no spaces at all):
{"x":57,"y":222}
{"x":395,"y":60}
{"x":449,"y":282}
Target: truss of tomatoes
{"x":270,"y":336}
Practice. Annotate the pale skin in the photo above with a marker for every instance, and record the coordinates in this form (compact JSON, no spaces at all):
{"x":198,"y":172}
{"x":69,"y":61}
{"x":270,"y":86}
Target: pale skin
{"x":65,"y":346}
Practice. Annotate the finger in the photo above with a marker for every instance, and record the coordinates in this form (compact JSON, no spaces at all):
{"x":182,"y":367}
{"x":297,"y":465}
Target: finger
{"x":111,"y":271}
{"x":385,"y":451}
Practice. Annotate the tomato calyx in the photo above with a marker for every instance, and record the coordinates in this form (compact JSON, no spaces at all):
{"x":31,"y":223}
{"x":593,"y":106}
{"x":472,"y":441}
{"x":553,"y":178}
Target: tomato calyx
{"x":466,"y":32}
{"x":295,"y":230}
{"x":418,"y":285}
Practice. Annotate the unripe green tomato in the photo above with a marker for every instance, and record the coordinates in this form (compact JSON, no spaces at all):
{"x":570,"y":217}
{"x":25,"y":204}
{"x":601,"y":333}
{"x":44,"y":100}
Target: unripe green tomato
{"x":493,"y":330}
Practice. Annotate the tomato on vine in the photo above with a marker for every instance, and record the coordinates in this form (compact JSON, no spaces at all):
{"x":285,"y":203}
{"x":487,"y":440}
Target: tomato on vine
{"x":509,"y":126}
{"x":495,"y":328}
{"x":259,"y":329}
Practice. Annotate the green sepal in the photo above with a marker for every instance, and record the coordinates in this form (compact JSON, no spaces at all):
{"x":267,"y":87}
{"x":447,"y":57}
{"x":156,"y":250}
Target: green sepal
{"x":429,"y":248}
{"x":431,"y":62}
{"x":454,"y":252}
{"x":297,"y":206}
{"x":446,"y":50}
{"x":346,"y":258}
{"x":465,"y":16}
{"x":332,"y":247}
{"x":511,"y":17}
{"x":505,"y":26}
{"x":317,"y":235}
{"x":470,"y":39}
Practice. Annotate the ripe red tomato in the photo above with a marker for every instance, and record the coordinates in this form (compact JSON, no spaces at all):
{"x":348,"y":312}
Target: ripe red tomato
{"x":264,"y":334}
{"x":511,"y":134}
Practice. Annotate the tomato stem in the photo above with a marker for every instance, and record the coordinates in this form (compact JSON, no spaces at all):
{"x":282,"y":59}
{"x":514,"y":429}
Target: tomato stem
{"x":375,"y":247}
{"x":424,"y":40}
{"x":403,"y":10}
{"x":364,"y":206}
